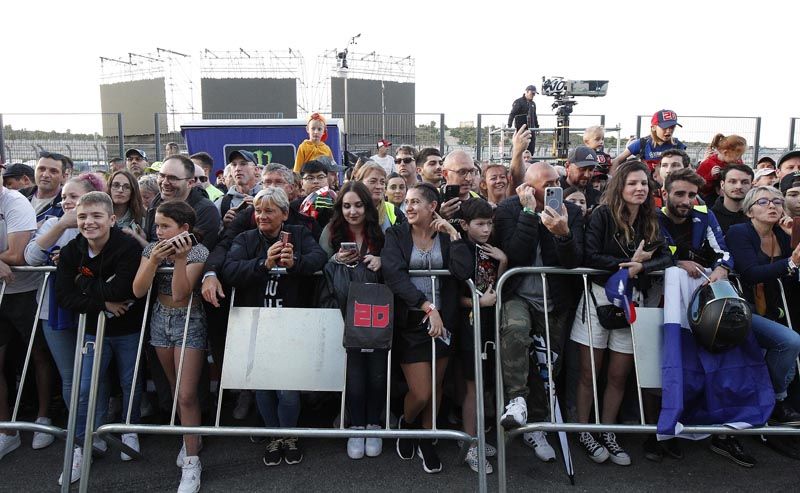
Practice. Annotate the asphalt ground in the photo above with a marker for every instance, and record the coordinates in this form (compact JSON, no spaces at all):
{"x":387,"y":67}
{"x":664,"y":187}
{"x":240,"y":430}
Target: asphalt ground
{"x":233,"y":464}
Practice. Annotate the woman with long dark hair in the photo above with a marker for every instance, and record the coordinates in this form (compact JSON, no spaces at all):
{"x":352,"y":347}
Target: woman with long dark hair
{"x":423,"y":242}
{"x":623,"y":233}
{"x":128,"y":208}
{"x":355,"y":221}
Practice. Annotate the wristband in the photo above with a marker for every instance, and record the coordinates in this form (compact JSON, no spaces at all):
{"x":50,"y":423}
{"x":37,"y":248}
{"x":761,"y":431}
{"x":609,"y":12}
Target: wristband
{"x":431,"y":307}
{"x":792,"y":265}
{"x":529,"y":211}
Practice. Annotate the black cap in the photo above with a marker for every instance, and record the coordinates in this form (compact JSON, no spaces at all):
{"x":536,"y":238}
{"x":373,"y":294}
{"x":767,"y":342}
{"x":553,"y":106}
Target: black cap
{"x":531,"y":88}
{"x":246,"y":155}
{"x":766,"y":159}
{"x":140,"y":152}
{"x":582,"y":157}
{"x":788,"y":155}
{"x":790,"y":181}
{"x":18,"y":170}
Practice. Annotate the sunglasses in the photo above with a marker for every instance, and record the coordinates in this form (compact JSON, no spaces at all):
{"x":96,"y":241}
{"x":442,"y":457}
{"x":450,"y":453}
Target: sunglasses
{"x":202,"y":179}
{"x":52,"y":155}
{"x":405,"y":160}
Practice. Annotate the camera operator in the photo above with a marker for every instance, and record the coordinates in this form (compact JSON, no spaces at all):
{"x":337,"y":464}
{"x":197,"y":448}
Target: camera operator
{"x":523,"y":112}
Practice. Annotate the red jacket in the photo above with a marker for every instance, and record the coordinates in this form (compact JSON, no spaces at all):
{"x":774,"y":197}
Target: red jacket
{"x":704,"y":170}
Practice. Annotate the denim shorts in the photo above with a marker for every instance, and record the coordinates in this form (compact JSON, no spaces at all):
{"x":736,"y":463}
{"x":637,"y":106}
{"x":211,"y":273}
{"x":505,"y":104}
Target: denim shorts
{"x":167,"y":324}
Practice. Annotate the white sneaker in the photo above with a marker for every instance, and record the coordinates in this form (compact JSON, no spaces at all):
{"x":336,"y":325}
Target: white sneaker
{"x":374,"y":446}
{"x":516,"y":414}
{"x":42,"y":440}
{"x":9,"y":443}
{"x":77,"y":459}
{"x":596,"y":452}
{"x":491,"y":450}
{"x":182,"y":453}
{"x":243,"y":403}
{"x":132,"y":441}
{"x":472,"y":460}
{"x":355,"y":446}
{"x":537,"y":440}
{"x":190,"y":475}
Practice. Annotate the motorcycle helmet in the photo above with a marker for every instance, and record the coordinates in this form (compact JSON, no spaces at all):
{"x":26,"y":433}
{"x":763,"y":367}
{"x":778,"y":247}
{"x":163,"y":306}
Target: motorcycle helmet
{"x":718,"y":316}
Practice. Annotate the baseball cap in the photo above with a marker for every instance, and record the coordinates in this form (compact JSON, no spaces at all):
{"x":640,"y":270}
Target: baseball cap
{"x":132,"y":151}
{"x":246,"y":155}
{"x":766,"y":159}
{"x":154,"y":167}
{"x":582,"y":157}
{"x":789,"y":181}
{"x":18,"y":170}
{"x":665,"y":119}
{"x":764,"y":172}
{"x":384,"y":143}
{"x":531,"y":88}
{"x":788,"y":155}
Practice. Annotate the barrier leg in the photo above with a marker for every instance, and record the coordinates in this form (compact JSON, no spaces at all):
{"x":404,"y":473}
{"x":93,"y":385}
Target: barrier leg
{"x":479,"y":412}
{"x":86,"y":464}
{"x":72,"y":417}
{"x":388,"y":387}
{"x":499,"y":392}
{"x":222,"y":370}
{"x":433,"y":361}
{"x":138,"y":357}
{"x":344,"y":393}
{"x":586,"y":302}
{"x":636,"y":372}
{"x":30,"y":346}
{"x":550,"y":387}
{"x":788,"y":319}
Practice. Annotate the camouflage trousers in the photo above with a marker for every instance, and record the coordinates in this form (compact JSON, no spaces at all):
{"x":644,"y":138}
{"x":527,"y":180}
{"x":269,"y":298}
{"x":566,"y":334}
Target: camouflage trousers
{"x":520,"y":321}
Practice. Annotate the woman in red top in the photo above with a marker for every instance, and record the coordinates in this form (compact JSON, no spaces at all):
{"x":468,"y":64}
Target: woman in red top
{"x":725,"y":151}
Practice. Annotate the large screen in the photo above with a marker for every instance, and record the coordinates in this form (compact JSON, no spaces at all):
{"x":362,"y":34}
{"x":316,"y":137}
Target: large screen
{"x":250,"y":96}
{"x":137,"y":101}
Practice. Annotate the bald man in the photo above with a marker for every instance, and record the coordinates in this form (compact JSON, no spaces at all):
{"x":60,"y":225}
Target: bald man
{"x":532,"y":235}
{"x":458,"y":170}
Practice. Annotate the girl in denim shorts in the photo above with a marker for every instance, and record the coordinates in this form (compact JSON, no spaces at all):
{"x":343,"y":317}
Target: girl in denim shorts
{"x":178,"y":295}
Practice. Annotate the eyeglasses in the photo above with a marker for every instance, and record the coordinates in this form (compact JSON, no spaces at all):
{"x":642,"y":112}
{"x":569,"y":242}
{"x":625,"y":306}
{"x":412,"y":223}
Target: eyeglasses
{"x":202,"y":179}
{"x":121,"y":186}
{"x":463,"y":173}
{"x":404,"y":160}
{"x":764,"y":202}
{"x":171,"y":178}
{"x":52,"y":155}
{"x":273,"y":183}
{"x":315,"y":177}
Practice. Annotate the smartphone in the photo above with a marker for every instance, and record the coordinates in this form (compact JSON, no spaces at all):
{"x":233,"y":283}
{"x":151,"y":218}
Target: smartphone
{"x":350,"y":246}
{"x":451,"y":192}
{"x":554,"y":198}
{"x":286,"y":237}
{"x":652,"y":247}
{"x":193,"y":239}
{"x":795,"y":233}
{"x":241,"y":206}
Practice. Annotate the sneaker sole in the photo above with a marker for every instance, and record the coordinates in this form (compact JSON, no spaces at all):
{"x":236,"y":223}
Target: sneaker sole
{"x":270,"y":464}
{"x":48,"y":441}
{"x":425,"y":466}
{"x":728,"y":456}
{"x":620,"y":461}
{"x":489,"y":469}
{"x":772,"y":422}
{"x":291,"y":463}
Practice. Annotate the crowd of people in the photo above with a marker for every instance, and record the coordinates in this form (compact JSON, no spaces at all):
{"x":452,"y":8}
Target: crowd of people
{"x":267,"y":229}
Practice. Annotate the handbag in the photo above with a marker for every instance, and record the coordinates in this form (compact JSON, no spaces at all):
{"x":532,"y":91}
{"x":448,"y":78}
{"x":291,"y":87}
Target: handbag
{"x":369,"y":320}
{"x":611,"y":317}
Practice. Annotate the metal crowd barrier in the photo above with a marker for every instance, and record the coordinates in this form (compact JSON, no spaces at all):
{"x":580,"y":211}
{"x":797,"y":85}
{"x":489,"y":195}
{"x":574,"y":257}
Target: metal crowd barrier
{"x":553,"y":425}
{"x":217,"y":430}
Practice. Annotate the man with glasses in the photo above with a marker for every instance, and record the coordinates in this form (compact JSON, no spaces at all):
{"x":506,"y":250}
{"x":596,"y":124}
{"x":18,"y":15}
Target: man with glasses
{"x":429,"y":166}
{"x":318,"y":200}
{"x":239,"y":196}
{"x":52,"y":170}
{"x":580,"y":167}
{"x":405,"y":160}
{"x":136,"y":161}
{"x":175,"y":180}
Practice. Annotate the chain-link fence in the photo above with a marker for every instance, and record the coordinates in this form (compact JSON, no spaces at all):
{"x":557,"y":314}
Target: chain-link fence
{"x":698,"y":131}
{"x":364,"y":130}
{"x":87,"y":138}
{"x":794,"y":133}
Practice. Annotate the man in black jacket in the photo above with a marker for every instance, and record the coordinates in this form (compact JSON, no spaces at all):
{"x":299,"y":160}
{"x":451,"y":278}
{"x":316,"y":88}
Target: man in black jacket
{"x":523,"y":110}
{"x":175,"y":180}
{"x":532,"y":235}
{"x":735,"y":181}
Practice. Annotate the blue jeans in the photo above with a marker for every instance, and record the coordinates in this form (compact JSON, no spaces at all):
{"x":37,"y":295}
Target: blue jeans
{"x":279,"y":408}
{"x":62,"y":347}
{"x":124,"y":349}
{"x":782,"y":345}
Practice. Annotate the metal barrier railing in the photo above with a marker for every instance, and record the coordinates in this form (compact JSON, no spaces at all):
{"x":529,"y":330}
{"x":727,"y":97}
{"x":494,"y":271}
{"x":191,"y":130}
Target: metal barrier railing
{"x":217,"y":430}
{"x":553,"y":425}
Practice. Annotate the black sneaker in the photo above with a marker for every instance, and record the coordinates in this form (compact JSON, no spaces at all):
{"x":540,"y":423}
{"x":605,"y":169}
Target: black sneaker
{"x":292,"y":453}
{"x":274,"y":453}
{"x":731,"y":448}
{"x":652,"y":449}
{"x":430,"y":459}
{"x":405,"y":446}
{"x":616,"y":453}
{"x":784,"y":414}
{"x":672,"y":448}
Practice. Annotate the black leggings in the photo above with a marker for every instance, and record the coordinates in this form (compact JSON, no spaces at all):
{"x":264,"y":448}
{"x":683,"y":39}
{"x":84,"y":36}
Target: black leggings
{"x":366,"y":386}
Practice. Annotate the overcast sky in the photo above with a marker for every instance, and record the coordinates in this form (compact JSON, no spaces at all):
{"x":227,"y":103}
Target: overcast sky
{"x":696,"y":58}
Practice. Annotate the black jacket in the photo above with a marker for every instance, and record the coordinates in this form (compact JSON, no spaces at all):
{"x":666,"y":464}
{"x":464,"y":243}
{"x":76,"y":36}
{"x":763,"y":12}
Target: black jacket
{"x":82,"y":283}
{"x":606,"y":247}
{"x":208,"y":218}
{"x":726,"y":218}
{"x":395,"y":258}
{"x":244,"y":221}
{"x":592,"y":195}
{"x":520,"y":234}
{"x":519,"y":113}
{"x":244,"y":267}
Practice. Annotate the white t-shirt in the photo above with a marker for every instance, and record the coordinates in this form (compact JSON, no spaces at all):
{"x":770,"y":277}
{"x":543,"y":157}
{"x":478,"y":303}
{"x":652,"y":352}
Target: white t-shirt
{"x":386,"y":162}
{"x":17,"y":215}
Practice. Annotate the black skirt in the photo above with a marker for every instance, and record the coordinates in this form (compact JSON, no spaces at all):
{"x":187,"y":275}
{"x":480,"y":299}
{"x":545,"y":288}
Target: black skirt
{"x":413,"y":344}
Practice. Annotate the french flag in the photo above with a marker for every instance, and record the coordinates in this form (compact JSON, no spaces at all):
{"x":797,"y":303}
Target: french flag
{"x":620,"y":294}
